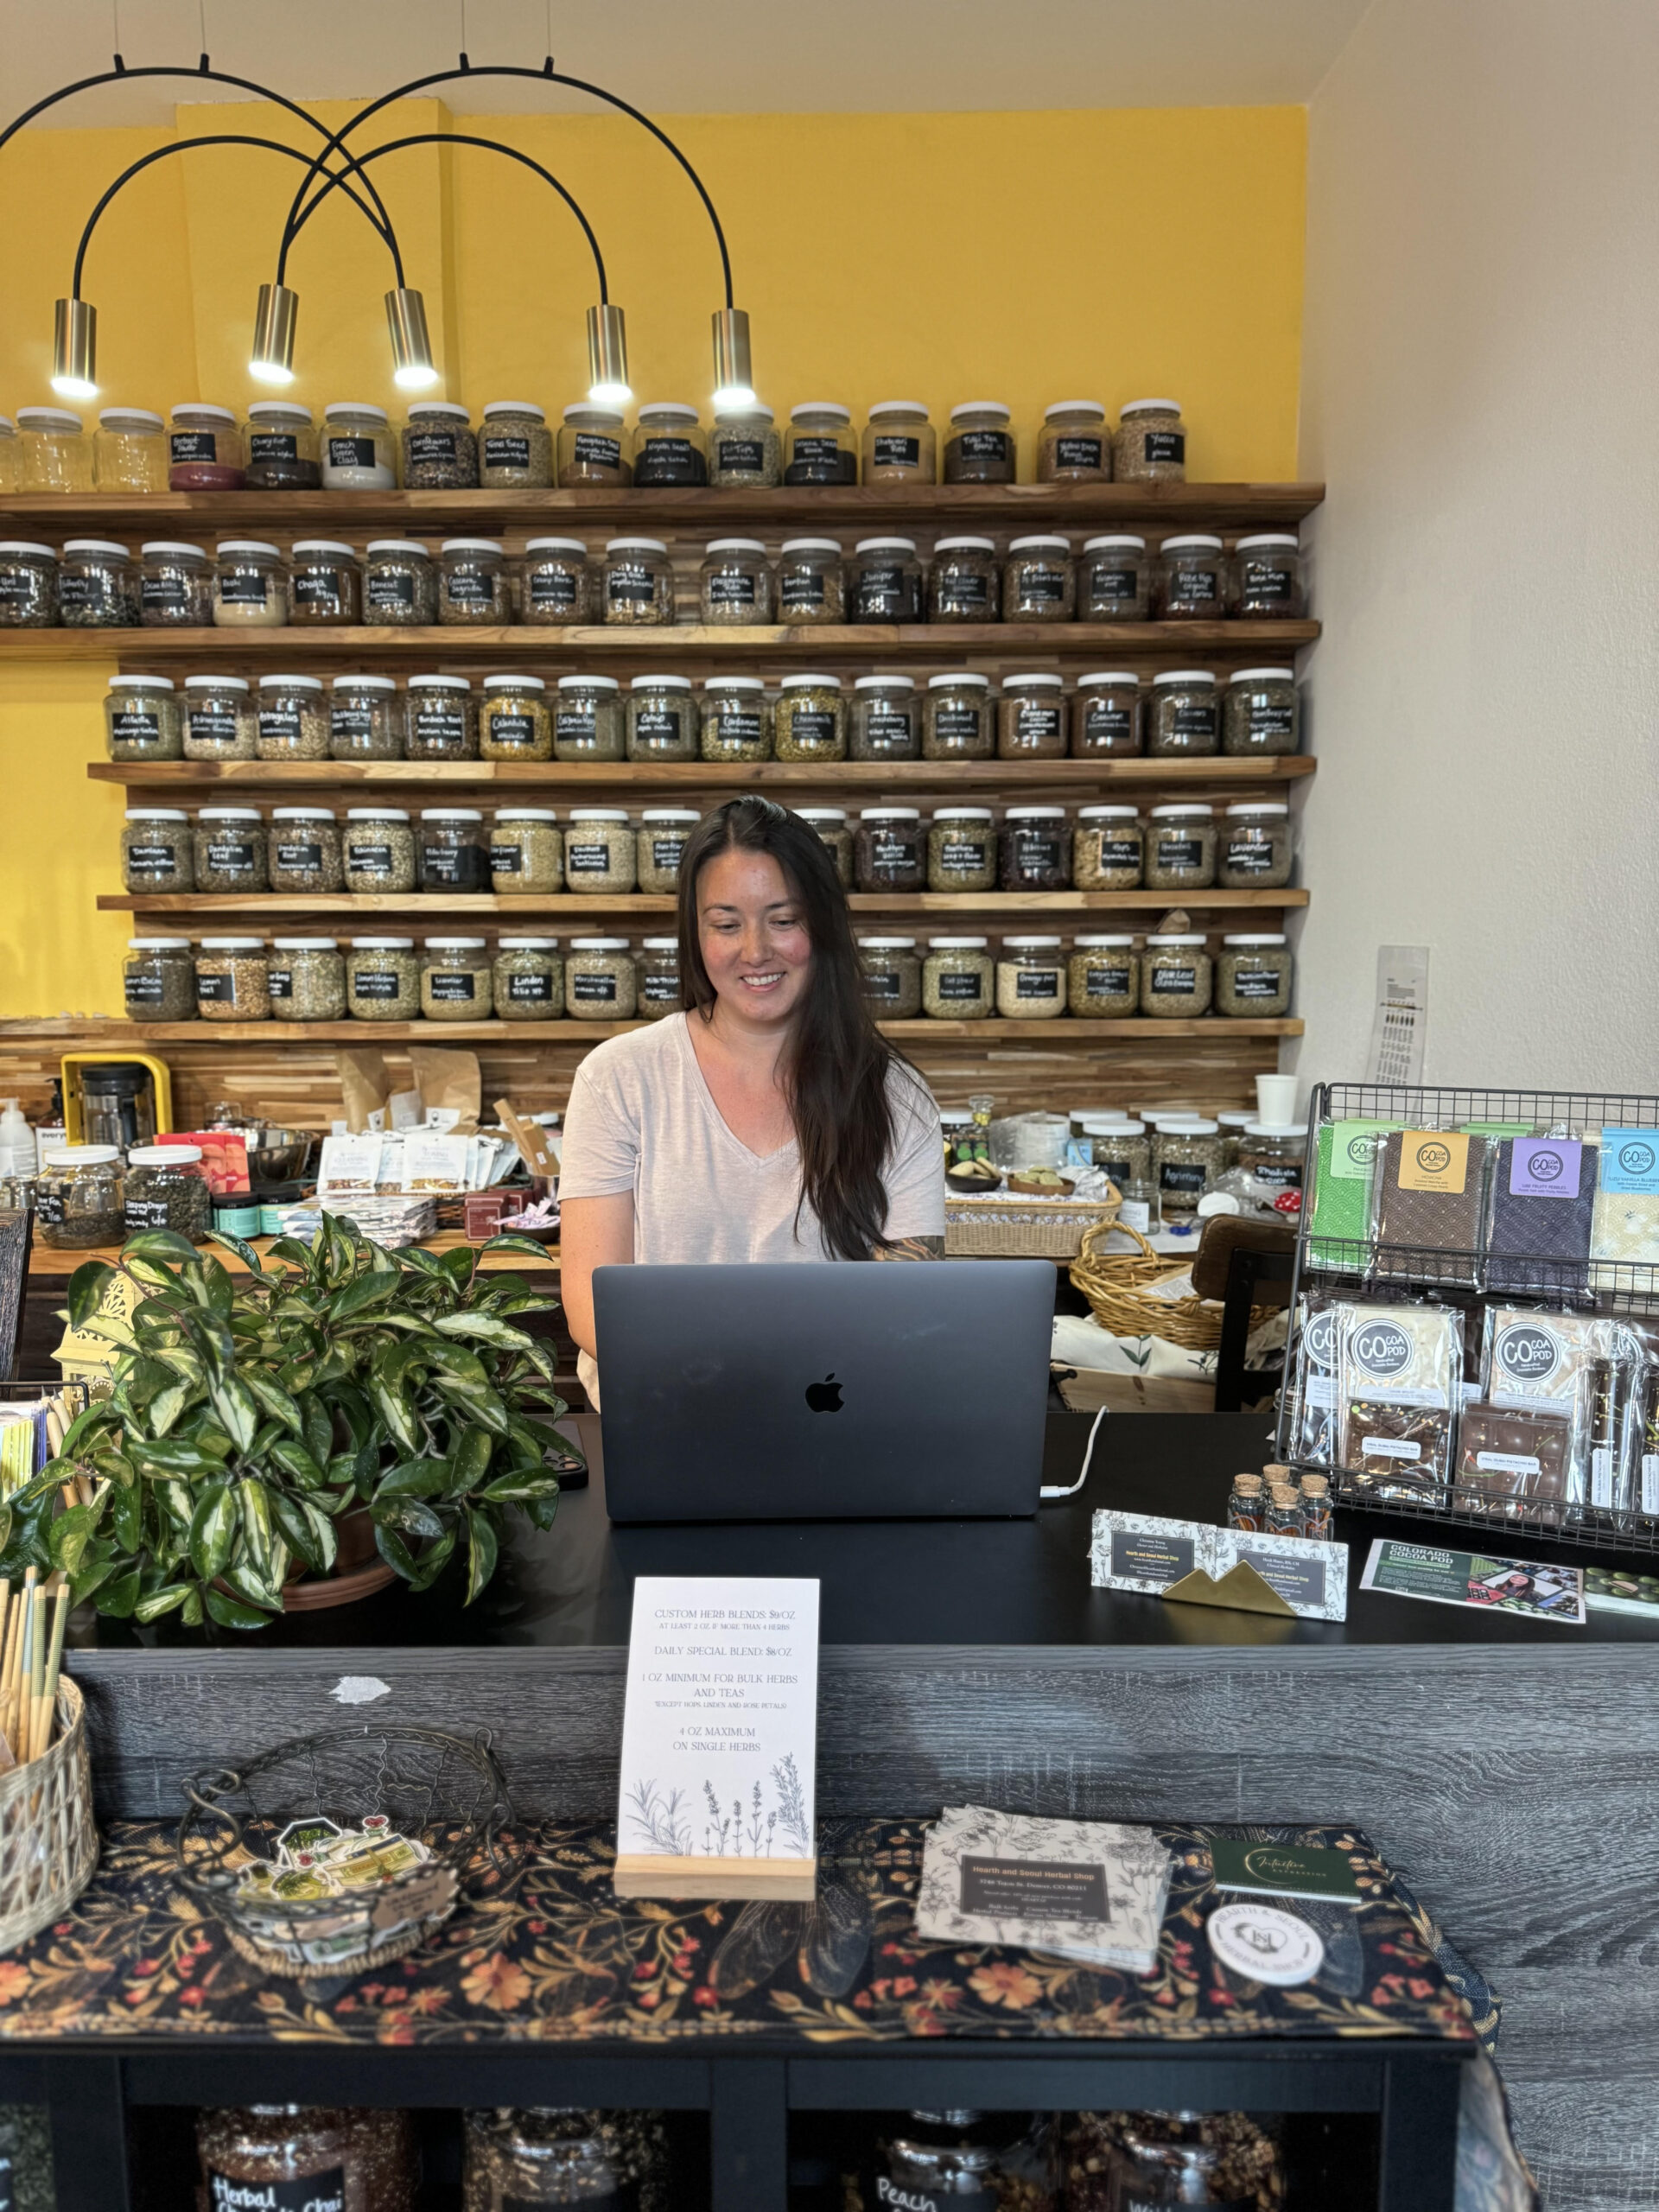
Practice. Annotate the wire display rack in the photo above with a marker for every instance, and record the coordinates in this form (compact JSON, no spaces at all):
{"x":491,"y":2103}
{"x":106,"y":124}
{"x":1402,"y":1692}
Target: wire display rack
{"x":1472,"y":1279}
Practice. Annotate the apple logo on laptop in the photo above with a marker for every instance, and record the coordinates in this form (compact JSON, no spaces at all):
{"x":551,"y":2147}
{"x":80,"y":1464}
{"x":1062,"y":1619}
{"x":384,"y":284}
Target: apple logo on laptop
{"x":824,"y":1397}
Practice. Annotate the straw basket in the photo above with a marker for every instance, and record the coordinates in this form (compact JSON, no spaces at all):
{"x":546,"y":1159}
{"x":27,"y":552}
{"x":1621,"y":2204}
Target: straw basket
{"x":1030,"y":1229}
{"x":48,"y":1841}
{"x":1115,"y":1285}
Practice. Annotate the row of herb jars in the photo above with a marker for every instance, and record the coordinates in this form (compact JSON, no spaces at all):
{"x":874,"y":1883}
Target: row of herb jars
{"x":304,"y":849}
{"x":1103,"y":976}
{"x":1106,"y":848}
{"x":378,"y":978}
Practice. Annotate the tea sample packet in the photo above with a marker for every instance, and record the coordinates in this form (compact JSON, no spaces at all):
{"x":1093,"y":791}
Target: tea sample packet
{"x":1543,"y":1198}
{"x":1344,"y":1166}
{"x":1399,"y":1380}
{"x":1091,"y":1890}
{"x":1428,"y":1203}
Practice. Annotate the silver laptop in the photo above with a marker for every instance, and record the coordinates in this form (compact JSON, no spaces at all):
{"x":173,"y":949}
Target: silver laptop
{"x":810,"y":1392}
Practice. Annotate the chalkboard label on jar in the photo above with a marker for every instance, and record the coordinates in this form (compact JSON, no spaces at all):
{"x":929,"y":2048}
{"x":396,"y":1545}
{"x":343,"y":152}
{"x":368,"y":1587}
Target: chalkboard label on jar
{"x":308,"y":857}
{"x":894,"y":452}
{"x":129,"y":728}
{"x":20,"y":590}
{"x":279,"y":725}
{"x":273,"y":446}
{"x":216,"y":990}
{"x":1113,"y":585}
{"x":1164,"y":445}
{"x":1110,"y":726}
{"x":1079,"y":453}
{"x":596,"y":989}
{"x":956,"y":985}
{"x":141,"y":1213}
{"x":440,"y":728}
{"x":593,"y":450}
{"x":820,"y":461}
{"x":963,"y":722}
{"x":964,"y":593}
{"x":323,"y":2192}
{"x":500,"y":452}
{"x":159,"y":592}
{"x":1037,"y":853}
{"x":513,"y":730}
{"x":530,"y":990}
{"x":1258,"y":580}
{"x":153,"y":859}
{"x":667,"y":853}
{"x":630,"y":585}
{"x":882,"y":984}
{"x":184,"y":446}
{"x":369,"y":860}
{"x":576,"y":726}
{"x":1273,"y":722}
{"x":1037,"y":983}
{"x":812,"y":726}
{"x":1106,"y":982}
{"x":389,"y":589}
{"x":1258,"y":987}
{"x":1037,"y":721}
{"x":351,"y":452}
{"x":1174,"y":982}
{"x":893,"y":848}
{"x":467,"y":587}
{"x":452,"y":868}
{"x":660,"y":990}
{"x":742,"y":456}
{"x":75,"y":591}
{"x":506,"y":860}
{"x":668,"y":460}
{"x":210,"y":725}
{"x":374,"y":983}
{"x":1277,"y":1174}
{"x":1043,"y":586}
{"x":1185,"y":1175}
{"x":434,"y":448}
{"x":961,"y":856}
{"x":801,"y":590}
{"x":280,"y":983}
{"x":887,"y":732}
{"x":658,"y":726}
{"x":740,"y":729}
{"x":244,"y":587}
{"x":880,"y":587}
{"x":731,"y":591}
{"x":1119,"y":852}
{"x":984,"y":445}
{"x":322,"y":589}
{"x":351,"y":721}
{"x":49,"y":1208}
{"x":1193,"y":722}
{"x":586,"y":860}
{"x":1193,"y":584}
{"x":451,"y":990}
{"x":1180,"y":852}
{"x":1244,"y":856}
{"x":142,"y":990}
{"x":231,"y":859}
{"x":553,"y":590}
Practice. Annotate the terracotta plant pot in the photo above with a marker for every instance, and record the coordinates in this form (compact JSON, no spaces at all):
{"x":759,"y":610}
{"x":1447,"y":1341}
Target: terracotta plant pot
{"x":359,"y":1571}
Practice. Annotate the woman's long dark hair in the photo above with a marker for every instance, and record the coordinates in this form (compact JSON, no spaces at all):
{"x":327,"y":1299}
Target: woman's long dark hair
{"x":836,"y":1075}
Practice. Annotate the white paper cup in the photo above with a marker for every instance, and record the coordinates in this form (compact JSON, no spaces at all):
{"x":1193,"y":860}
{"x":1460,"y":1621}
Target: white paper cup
{"x":1275,"y":1097}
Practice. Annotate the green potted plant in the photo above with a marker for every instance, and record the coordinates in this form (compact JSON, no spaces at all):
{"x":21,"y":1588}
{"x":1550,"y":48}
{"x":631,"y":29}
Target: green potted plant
{"x":251,"y":1419}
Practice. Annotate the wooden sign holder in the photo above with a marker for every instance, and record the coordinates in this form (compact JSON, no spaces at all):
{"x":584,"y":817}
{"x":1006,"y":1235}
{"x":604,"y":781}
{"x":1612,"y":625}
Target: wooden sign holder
{"x":647,"y":1874}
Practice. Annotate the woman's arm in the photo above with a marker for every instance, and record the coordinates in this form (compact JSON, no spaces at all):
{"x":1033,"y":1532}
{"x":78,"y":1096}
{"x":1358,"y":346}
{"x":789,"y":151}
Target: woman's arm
{"x":910,"y":1248}
{"x":593,"y":1233}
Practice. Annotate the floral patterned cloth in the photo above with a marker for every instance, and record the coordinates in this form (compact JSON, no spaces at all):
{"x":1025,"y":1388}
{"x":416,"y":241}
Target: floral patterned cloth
{"x":555,"y":1955}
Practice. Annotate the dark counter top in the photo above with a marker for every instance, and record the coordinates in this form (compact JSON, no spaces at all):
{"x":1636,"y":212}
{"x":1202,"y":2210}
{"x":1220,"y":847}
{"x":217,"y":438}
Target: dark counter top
{"x":953,"y":1584}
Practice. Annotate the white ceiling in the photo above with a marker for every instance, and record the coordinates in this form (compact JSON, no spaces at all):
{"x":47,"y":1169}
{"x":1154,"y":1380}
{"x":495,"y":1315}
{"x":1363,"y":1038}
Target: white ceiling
{"x":691,"y":57}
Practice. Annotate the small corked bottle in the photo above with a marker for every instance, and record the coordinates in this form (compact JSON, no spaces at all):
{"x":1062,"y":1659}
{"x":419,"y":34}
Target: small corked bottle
{"x":1316,"y":1508}
{"x":1245,"y":1509}
{"x":1284,"y":1515}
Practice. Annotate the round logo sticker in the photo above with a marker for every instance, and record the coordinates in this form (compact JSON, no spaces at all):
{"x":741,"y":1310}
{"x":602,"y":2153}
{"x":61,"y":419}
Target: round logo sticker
{"x":1364,"y":1148}
{"x":1321,"y":1339}
{"x":1545,"y":1166}
{"x":1382,"y":1349}
{"x":1636,"y":1157}
{"x":1526,"y":1353}
{"x":1433,"y":1159}
{"x":1265,"y":1944}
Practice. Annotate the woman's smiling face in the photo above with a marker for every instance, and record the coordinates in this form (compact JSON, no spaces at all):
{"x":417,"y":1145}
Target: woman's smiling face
{"x":752,"y":935}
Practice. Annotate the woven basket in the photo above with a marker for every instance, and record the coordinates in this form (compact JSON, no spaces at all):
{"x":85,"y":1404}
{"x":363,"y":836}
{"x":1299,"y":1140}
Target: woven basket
{"x":1034,"y":1229}
{"x":1116,"y":1284}
{"x":48,"y":1841}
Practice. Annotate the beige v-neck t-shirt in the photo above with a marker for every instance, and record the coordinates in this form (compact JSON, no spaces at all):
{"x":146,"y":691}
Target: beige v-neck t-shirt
{"x":641,"y":1119}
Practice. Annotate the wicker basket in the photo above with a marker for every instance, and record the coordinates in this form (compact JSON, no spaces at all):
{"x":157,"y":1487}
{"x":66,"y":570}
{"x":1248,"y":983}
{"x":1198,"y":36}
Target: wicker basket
{"x":48,"y":1841}
{"x":1033,"y":1229}
{"x":1115,"y":1285}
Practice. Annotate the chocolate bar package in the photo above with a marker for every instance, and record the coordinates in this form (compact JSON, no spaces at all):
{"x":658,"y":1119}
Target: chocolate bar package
{"x":1428,"y":1203}
{"x":1344,"y":1163}
{"x":1573,"y":1366}
{"x":1514,"y":1463}
{"x":1399,"y":1381}
{"x":1624,"y":1230}
{"x":1543,"y":1196}
{"x":1311,"y":1430}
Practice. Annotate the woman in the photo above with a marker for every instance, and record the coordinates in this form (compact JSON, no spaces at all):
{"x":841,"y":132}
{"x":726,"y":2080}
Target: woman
{"x":770,"y":1120}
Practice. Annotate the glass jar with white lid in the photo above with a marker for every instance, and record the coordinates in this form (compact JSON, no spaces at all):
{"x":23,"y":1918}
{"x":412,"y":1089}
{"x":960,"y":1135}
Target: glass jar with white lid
{"x":962,"y":850}
{"x":513,"y":722}
{"x":1103,"y":977}
{"x":601,"y":852}
{"x":156,"y":850}
{"x":664,"y":834}
{"x":810,"y":585}
{"x":291,"y":720}
{"x":1255,"y":849}
{"x":1268,"y":577}
{"x":734,"y":582}
{"x":1261,"y":713}
{"x":452,"y":852}
{"x":736,"y":719}
{"x":158,"y":979}
{"x":230,"y":849}
{"x":57,"y":455}
{"x":556,"y":581}
{"x":400,"y":583}
{"x":306,"y":979}
{"x":1039,"y":582}
{"x":441,"y":719}
{"x":958,"y":719}
{"x":529,"y":979}
{"x":283,"y":451}
{"x":588,"y":719}
{"x":885,"y":720}
{"x":637,"y":585}
{"x":1031,"y":718}
{"x":593,"y":448}
{"x":220,"y":722}
{"x":360,"y":453}
{"x":884,"y":582}
{"x":526,"y":852}
{"x":964,"y":583}
{"x":658,"y":977}
{"x":979,"y":448}
{"x":1180,"y":852}
{"x":1192,"y":579}
{"x":130,"y":451}
{"x":29,"y":585}
{"x":1184,"y":714}
{"x":662,"y":719}
{"x":889,"y":849}
{"x":899,"y":445}
{"x":670,"y":447}
{"x":379,"y":850}
{"x":324,"y":582}
{"x":600,"y":980}
{"x":1108,"y":849}
{"x":365,"y":722}
{"x":473,"y":585}
{"x":1253,"y":976}
{"x":79,"y":1199}
{"x":809,"y":720}
{"x":233,"y":979}
{"x":830,"y":823}
{"x":304,"y":849}
{"x":1176,"y":977}
{"x":1106,"y":715}
{"x":175,"y":587}
{"x":456,"y":981}
{"x":1115,"y":579}
{"x":1031,"y":979}
{"x":383,"y":979}
{"x":745,"y":453}
{"x":250,"y":584}
{"x":822,"y":446}
{"x":141,"y":720}
{"x":98,"y":585}
{"x":203,"y":447}
{"x":515,"y":447}
{"x":1150,"y":447}
{"x":958,"y":979}
{"x":893,"y":977}
{"x":1074,"y":445}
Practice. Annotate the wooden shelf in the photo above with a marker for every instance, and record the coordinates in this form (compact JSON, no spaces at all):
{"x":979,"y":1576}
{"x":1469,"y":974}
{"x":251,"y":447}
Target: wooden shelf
{"x":43,"y":1261}
{"x":697,"y":513}
{"x":939,"y":645}
{"x":690,"y":776}
{"x":485,"y":906}
{"x":98,"y":1029}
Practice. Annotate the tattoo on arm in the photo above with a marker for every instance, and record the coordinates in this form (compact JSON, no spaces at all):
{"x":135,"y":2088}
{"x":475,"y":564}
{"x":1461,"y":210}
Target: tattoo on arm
{"x":910,"y":1248}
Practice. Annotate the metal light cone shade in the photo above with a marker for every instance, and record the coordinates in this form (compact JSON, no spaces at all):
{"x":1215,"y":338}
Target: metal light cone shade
{"x":75,"y":350}
{"x":274,"y":324}
{"x":411,"y":348}
{"x":733,"y":375}
{"x":608,"y":357}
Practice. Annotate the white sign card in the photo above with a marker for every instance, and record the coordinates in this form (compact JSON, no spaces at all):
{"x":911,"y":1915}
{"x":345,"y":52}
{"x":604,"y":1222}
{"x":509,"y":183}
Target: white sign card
{"x":720,"y":1739}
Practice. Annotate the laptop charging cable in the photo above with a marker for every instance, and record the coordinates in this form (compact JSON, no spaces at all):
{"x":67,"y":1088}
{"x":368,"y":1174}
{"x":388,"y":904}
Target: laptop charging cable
{"x":1070,"y":1490}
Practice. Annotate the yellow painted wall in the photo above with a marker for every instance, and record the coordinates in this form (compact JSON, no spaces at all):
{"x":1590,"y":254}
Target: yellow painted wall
{"x":1024,"y":257}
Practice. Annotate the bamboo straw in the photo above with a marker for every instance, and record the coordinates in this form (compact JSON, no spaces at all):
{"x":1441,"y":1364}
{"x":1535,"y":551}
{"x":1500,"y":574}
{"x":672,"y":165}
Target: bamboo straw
{"x":46,"y":1704}
{"x":17,"y":1691}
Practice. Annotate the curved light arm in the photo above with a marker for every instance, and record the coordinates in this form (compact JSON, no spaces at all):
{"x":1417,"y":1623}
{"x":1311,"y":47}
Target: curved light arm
{"x":547,"y":74}
{"x":122,"y":74}
{"x":358,"y":163}
{"x":225,"y":138}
